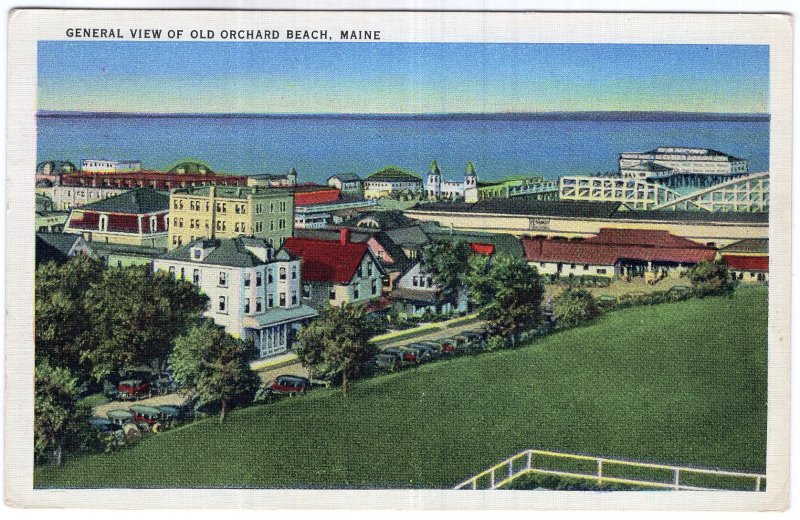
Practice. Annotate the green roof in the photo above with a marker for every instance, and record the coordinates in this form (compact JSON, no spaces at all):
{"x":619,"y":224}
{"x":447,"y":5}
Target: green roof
{"x":748,"y":245}
{"x":190,"y":166}
{"x":394,"y":173}
{"x":229,"y":252}
{"x":106,"y":248}
{"x":137,"y":202}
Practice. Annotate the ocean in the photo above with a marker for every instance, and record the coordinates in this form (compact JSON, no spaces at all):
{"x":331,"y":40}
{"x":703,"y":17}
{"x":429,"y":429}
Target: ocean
{"x":319,"y":146}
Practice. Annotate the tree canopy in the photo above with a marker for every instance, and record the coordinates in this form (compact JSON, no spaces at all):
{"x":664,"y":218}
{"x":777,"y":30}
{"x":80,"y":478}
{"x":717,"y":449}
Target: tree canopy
{"x":96,"y":321}
{"x":449,"y":263}
{"x":509,"y":292}
{"x":336,"y":344}
{"x":61,"y":424}
{"x":575,"y":306}
{"x":215,"y":364}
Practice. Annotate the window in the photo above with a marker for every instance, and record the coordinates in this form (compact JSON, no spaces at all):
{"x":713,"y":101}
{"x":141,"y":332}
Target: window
{"x":103,"y":222}
{"x":222,"y":304}
{"x":294,"y":272}
{"x":282,"y":224}
{"x":272,"y":225}
{"x":183,"y":273}
{"x":247,"y":279}
{"x":572,"y":266}
{"x":172,"y":270}
{"x":601,"y":271}
{"x":332,"y":293}
{"x":174,"y":240}
{"x":270,"y":301}
{"x":306,"y":290}
{"x":270,"y":278}
{"x":223,"y":278}
{"x":369,"y":269}
{"x":355,"y":292}
{"x":374,"y":287}
{"x":196,"y":277}
{"x":585,"y":267}
{"x":259,"y":279}
{"x":246,"y":305}
{"x":415,"y":281}
{"x":282,"y":274}
{"x":153,"y":224}
{"x":541,"y":264}
{"x":282,"y":299}
{"x":258,"y":304}
{"x":294,"y":297}
{"x":360,"y":271}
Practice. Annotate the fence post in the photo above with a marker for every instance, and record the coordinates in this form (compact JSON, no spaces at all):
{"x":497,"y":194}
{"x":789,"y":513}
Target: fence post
{"x":599,"y":471}
{"x":474,"y":484}
{"x":511,"y":467}
{"x":758,"y":483}
{"x":492,"y":480}
{"x":677,"y":479}
{"x":530,"y":459}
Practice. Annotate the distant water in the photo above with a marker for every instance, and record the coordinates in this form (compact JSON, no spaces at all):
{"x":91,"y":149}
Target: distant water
{"x":320,"y":146}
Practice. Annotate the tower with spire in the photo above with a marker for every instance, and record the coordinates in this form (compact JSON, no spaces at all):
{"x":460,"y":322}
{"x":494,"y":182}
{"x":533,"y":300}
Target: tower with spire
{"x":434,"y":181}
{"x":470,"y":176}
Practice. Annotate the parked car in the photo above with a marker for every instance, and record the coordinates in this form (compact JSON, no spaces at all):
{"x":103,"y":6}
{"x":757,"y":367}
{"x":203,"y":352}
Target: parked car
{"x":120,"y":417}
{"x":104,"y":426}
{"x":172,"y":415}
{"x":133,"y":389}
{"x":448,"y":346}
{"x":404,"y":356}
{"x":146,"y":417}
{"x":385,"y":361}
{"x":475,"y":342}
{"x":290,"y":385}
{"x":432,"y":349}
{"x":422,"y":352}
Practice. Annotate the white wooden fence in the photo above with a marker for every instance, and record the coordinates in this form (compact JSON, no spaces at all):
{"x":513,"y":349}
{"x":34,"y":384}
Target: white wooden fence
{"x":533,"y":461}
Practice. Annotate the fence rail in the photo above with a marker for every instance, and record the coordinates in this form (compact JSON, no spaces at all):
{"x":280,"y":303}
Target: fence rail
{"x":533,"y":462}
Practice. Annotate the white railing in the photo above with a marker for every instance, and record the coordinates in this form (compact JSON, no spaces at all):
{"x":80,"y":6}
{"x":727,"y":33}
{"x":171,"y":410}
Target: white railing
{"x":531,"y":461}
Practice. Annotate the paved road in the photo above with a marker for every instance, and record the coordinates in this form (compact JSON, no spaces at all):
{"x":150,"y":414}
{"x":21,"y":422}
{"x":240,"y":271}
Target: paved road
{"x":294,"y":368}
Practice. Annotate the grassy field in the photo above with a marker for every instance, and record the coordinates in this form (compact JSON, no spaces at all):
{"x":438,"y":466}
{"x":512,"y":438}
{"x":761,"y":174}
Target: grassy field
{"x":681,"y":383}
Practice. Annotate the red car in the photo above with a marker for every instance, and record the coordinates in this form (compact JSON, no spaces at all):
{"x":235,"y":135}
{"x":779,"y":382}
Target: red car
{"x":289,"y":385}
{"x":133,"y":389}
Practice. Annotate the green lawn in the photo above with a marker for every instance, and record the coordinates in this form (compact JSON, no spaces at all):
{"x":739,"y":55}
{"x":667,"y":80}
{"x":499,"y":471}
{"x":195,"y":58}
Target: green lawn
{"x":681,"y":383}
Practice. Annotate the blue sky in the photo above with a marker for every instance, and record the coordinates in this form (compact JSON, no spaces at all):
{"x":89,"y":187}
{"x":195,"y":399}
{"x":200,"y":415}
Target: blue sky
{"x":291,"y":77}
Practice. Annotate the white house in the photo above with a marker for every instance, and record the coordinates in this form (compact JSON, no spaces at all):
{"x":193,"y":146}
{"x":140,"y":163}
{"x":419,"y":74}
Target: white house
{"x":416,"y":292}
{"x":110,"y":166}
{"x":347,"y":183}
{"x":254,"y":291}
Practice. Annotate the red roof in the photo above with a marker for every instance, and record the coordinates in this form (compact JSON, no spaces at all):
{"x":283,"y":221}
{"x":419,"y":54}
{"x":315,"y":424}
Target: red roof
{"x":482,"y":249}
{"x":321,"y":196}
{"x":747,"y":263}
{"x":612,"y":245}
{"x":327,"y":260}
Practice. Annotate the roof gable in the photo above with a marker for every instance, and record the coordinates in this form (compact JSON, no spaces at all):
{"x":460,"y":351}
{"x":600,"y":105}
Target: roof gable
{"x":328,"y":260}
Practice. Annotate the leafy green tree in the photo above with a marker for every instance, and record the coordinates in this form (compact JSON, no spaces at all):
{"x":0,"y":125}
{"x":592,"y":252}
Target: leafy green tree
{"x":575,"y":306}
{"x":215,"y":364}
{"x":136,"y":317}
{"x":61,"y":423}
{"x":509,"y":292}
{"x":449,"y":263}
{"x":336,"y":344}
{"x":711,"y":279}
{"x":63,"y":328}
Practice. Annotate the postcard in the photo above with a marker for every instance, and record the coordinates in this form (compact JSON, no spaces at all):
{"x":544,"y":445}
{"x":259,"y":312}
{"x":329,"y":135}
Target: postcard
{"x":398,"y":260}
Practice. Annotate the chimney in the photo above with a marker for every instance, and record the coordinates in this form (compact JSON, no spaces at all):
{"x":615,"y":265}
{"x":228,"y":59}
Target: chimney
{"x":344,"y":236}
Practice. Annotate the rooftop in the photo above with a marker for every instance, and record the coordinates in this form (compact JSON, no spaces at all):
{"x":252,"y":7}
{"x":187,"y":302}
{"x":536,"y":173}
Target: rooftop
{"x":137,"y":201}
{"x":234,"y":192}
{"x":231,"y":252}
{"x":345,"y":177}
{"x":650,"y":166}
{"x":749,"y":245}
{"x":394,"y":174}
{"x":327,"y":260}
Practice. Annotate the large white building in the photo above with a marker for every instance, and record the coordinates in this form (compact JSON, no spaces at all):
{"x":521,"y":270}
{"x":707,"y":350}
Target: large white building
{"x":254,"y":291}
{"x":437,"y":189}
{"x":669,"y":160}
{"x":67,"y":197}
{"x":110,"y":166}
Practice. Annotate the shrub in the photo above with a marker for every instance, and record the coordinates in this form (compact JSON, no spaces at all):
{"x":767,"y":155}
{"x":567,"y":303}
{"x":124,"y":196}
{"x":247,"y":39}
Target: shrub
{"x":575,"y":306}
{"x":711,"y":279}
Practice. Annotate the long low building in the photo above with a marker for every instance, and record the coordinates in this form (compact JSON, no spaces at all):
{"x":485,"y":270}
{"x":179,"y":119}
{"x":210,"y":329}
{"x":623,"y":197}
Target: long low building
{"x":570,"y":219}
{"x":613,"y":252}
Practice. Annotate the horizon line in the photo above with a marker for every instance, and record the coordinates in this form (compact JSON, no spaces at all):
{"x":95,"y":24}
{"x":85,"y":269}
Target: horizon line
{"x":418,"y":115}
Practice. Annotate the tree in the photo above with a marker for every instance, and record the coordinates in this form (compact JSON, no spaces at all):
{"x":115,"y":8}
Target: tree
{"x":136,"y":317}
{"x":62,"y":325}
{"x":61,"y":423}
{"x":575,"y":306}
{"x":448,"y":262}
{"x":336,"y":344}
{"x":711,"y":279}
{"x":215,"y":364}
{"x":509,"y":291}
